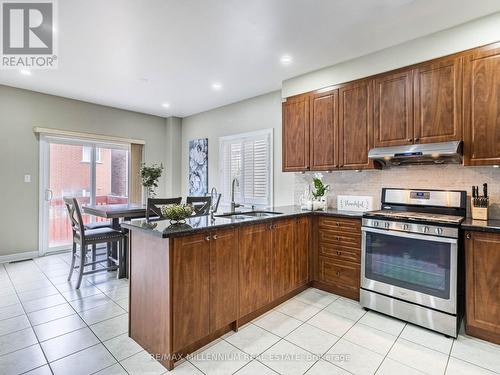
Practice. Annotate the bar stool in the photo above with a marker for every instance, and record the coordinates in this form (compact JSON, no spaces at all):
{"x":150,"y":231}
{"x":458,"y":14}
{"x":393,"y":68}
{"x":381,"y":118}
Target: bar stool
{"x":91,"y":237}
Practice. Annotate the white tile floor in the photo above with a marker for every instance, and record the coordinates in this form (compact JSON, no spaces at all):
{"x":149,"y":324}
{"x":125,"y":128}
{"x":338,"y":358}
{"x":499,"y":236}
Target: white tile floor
{"x":48,"y":327}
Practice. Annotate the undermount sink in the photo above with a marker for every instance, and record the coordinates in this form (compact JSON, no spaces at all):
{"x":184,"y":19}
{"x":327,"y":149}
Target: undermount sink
{"x":261,"y":213}
{"x":248,"y":215}
{"x":235,"y":216}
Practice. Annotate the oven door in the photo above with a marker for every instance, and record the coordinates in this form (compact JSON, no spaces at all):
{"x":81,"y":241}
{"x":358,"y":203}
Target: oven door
{"x":412,"y":267}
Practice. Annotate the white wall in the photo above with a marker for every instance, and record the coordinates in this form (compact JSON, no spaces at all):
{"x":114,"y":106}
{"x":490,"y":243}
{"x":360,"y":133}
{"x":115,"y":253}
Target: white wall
{"x":20,"y":111}
{"x":261,"y":112}
{"x":173,"y":156}
{"x":468,"y":35}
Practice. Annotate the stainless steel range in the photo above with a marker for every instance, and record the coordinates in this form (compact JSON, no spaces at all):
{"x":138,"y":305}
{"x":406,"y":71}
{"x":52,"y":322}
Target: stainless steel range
{"x":411,"y":257}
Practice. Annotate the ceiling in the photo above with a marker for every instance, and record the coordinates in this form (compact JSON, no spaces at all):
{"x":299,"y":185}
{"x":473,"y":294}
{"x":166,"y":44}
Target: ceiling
{"x":137,"y":55}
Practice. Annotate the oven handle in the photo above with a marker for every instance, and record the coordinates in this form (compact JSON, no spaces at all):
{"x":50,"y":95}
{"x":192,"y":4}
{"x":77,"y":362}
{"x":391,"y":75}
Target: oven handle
{"x":415,"y":236}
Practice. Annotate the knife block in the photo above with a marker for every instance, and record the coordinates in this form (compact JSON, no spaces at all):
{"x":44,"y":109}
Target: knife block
{"x":479,"y":213}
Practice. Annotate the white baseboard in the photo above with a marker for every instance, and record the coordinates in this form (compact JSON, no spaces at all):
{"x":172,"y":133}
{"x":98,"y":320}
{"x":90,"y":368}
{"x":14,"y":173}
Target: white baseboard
{"x":18,"y":256}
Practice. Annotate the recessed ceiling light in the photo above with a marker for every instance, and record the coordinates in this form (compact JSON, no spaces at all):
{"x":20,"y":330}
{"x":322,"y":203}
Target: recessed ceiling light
{"x":165,"y":105}
{"x":25,"y":72}
{"x":286,"y":59}
{"x":217,"y":86}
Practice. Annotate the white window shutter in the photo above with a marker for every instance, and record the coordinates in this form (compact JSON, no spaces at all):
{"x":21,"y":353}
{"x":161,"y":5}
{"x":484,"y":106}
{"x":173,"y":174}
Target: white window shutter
{"x":249,"y":158}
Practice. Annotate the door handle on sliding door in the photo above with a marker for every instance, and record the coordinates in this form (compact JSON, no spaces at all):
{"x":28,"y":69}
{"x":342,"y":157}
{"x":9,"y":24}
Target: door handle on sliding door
{"x":48,"y":195}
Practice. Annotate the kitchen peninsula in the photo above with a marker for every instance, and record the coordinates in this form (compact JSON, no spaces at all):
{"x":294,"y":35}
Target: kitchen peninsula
{"x":191,"y":283}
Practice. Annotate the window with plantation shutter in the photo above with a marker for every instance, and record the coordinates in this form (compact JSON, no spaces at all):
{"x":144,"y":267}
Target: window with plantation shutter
{"x":248,"y":157}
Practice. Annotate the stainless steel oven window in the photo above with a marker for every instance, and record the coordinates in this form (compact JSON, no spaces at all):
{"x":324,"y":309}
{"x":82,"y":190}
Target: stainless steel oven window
{"x":414,"y":267}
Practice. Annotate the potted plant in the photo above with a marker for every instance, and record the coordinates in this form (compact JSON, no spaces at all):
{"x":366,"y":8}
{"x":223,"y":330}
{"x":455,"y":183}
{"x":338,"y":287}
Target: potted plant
{"x":150,"y":176}
{"x":319,"y":193}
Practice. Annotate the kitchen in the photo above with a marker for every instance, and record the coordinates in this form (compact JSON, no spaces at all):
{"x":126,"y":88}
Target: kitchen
{"x":358,"y":224}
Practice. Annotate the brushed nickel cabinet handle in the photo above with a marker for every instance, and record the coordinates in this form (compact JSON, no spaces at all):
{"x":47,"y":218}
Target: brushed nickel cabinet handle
{"x":339,"y":252}
{"x":468,"y":236}
{"x":207,"y":238}
{"x":337,"y":273}
{"x":214,"y":237}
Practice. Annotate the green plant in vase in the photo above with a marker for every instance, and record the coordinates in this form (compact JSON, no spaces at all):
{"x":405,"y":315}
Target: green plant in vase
{"x":150,"y":176}
{"x":319,"y":192}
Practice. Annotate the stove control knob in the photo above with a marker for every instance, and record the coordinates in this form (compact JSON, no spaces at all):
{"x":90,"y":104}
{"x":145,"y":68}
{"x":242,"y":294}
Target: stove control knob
{"x":376,"y":223}
{"x":425,"y":229}
{"x":439,"y":231}
{"x":387,"y":225}
{"x":406,"y":227}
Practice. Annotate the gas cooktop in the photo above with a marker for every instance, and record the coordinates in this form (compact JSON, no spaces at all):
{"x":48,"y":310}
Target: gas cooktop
{"x":416,"y":216}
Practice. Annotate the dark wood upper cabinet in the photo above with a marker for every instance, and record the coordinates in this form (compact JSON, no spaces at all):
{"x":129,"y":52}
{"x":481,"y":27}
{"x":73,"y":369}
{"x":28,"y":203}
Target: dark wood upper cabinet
{"x":323,"y":137}
{"x":355,"y":125}
{"x":255,"y":285}
{"x":393,"y":109}
{"x":295,"y":145}
{"x":190,"y":289}
{"x":482,"y":252}
{"x":223,"y":278}
{"x":482,"y":107}
{"x":438,"y":101}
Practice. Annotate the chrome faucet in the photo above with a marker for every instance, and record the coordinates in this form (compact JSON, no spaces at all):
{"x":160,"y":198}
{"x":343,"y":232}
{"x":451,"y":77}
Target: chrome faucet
{"x":213,"y":203}
{"x":234,"y":205}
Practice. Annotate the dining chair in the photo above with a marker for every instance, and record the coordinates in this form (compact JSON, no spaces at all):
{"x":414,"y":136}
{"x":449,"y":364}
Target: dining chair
{"x":201,"y":205}
{"x":153,"y":208}
{"x":84,"y":237}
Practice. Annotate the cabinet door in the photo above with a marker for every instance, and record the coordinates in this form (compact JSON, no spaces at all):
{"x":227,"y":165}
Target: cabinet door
{"x":302,"y":251}
{"x":296,"y":134}
{"x":324,"y":119}
{"x":223,"y":278}
{"x":393,"y":109}
{"x":438,"y":101}
{"x":190,"y":289}
{"x":355,"y":125}
{"x":283,"y":258}
{"x":482,"y":107}
{"x":254,"y":267}
{"x":482,"y":251}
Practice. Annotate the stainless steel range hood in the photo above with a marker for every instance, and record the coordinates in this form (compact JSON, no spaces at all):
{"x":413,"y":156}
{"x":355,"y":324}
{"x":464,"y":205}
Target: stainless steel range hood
{"x":428,"y":153}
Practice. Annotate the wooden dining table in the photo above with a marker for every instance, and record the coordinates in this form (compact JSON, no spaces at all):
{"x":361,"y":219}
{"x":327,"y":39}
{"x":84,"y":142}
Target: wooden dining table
{"x":118,"y":212}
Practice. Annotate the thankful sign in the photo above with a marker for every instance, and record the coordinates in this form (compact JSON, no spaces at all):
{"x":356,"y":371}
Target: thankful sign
{"x":354,"y":203}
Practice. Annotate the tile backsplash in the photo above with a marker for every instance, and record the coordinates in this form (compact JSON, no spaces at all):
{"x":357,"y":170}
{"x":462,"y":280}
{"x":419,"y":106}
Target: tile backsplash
{"x":371,"y":182}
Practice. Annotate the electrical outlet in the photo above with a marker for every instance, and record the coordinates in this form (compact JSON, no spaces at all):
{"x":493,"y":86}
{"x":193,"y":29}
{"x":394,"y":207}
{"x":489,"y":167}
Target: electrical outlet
{"x":27,"y":178}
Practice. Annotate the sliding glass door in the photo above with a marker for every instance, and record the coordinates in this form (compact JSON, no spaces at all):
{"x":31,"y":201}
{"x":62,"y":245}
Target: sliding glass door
{"x":92,"y":172}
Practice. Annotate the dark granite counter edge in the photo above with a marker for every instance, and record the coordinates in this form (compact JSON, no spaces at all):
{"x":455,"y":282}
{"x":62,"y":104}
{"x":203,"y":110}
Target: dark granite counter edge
{"x":492,"y":226}
{"x":188,"y":231}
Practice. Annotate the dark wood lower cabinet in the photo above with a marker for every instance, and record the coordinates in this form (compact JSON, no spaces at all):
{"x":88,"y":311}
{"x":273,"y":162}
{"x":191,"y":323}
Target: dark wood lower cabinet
{"x":302,"y":244}
{"x":190,"y":289}
{"x":283,"y":258}
{"x":482,"y":264}
{"x":223,"y":278}
{"x":337,"y":254}
{"x":255,"y":287}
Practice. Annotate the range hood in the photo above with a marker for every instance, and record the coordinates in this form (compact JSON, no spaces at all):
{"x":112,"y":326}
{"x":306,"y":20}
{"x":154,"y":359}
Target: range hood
{"x":427,"y":153}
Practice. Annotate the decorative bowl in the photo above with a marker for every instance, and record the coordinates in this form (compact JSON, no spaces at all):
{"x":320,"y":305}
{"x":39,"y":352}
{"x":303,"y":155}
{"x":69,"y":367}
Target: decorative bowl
{"x":177,"y":212}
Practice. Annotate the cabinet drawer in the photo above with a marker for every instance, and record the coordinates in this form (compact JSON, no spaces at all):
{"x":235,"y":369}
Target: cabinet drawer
{"x":339,"y":252}
{"x":333,"y":272}
{"x":336,"y":223}
{"x":343,"y":239}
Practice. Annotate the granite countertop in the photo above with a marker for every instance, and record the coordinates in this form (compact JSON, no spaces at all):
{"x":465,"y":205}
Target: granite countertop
{"x":481,"y":225}
{"x":163,"y":228}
